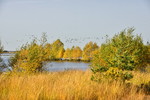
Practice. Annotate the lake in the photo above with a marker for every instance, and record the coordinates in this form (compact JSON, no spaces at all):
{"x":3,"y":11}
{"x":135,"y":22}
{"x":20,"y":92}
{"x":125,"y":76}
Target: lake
{"x":55,"y":65}
{"x":65,"y":65}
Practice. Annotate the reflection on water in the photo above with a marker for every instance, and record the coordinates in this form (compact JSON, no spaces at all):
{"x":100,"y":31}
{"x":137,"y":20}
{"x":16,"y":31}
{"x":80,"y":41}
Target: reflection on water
{"x":64,"y":65}
{"x":55,"y":65}
{"x":5,"y":57}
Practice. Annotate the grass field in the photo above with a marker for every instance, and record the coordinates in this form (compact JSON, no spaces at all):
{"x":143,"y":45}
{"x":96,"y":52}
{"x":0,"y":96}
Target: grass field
{"x":68,"y":85}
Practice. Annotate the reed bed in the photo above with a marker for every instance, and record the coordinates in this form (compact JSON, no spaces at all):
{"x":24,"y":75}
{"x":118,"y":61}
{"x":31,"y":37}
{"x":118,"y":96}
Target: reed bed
{"x":67,"y":85}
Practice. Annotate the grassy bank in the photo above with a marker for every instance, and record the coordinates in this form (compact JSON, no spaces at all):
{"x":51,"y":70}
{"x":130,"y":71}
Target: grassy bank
{"x":68,"y":85}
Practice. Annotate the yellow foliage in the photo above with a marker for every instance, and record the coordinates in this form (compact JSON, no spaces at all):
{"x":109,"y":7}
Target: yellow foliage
{"x":89,"y":50}
{"x":57,"y":49}
{"x":76,"y":53}
{"x":67,"y":54}
{"x":30,"y":57}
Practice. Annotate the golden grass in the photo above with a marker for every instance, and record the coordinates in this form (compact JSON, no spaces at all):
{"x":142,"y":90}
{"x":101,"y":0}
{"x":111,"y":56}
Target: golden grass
{"x":68,"y":85}
{"x":140,"y":78}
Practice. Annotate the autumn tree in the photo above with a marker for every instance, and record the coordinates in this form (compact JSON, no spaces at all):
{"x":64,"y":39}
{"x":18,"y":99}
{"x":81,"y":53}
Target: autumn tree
{"x":67,"y":54}
{"x":89,"y":50}
{"x":57,"y":49}
{"x":71,"y":52}
{"x":30,"y":57}
{"x":76,"y":53}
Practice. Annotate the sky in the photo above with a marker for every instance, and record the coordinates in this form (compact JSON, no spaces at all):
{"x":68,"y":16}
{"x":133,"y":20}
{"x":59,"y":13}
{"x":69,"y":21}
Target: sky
{"x":74,"y":22}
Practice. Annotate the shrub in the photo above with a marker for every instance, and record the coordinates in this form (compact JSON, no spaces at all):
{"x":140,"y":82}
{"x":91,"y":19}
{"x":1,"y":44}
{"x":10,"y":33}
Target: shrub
{"x":30,"y":57}
{"x":124,"y":52}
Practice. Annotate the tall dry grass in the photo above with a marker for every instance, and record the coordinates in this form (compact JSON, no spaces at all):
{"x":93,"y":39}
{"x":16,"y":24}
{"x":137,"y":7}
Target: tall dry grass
{"x":68,"y":85}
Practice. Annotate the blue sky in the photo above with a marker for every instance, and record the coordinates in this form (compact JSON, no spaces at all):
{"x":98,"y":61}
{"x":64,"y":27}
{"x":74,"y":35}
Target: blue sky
{"x":81,"y":20}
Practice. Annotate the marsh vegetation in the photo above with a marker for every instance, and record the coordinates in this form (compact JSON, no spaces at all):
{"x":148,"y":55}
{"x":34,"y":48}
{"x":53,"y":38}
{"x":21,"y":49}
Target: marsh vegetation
{"x":118,"y":71}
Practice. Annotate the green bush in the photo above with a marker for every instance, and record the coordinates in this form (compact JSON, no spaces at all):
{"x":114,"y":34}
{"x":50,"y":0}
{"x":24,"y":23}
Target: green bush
{"x":124,"y":52}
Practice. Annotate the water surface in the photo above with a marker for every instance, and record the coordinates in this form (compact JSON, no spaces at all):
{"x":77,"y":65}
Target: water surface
{"x":53,"y":65}
{"x":65,"y":65}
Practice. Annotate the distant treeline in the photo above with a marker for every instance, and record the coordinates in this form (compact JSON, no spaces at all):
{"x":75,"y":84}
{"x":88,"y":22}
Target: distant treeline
{"x":57,"y":51}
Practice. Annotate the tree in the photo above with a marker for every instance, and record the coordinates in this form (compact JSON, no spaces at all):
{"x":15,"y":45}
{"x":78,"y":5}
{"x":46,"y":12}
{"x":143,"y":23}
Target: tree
{"x":30,"y":57}
{"x":67,"y":54}
{"x":57,"y":49}
{"x":88,"y":50}
{"x":76,"y":53}
{"x":124,"y":52}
